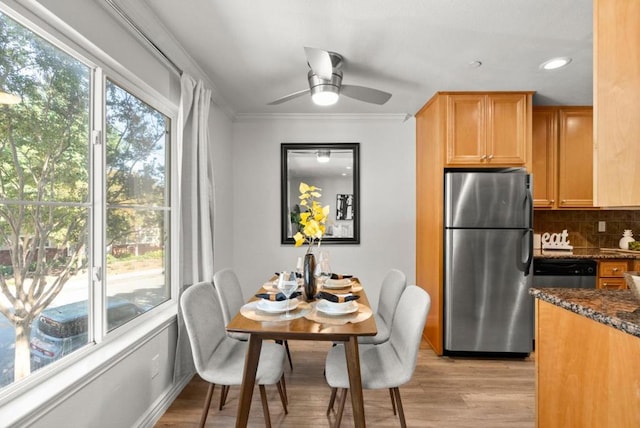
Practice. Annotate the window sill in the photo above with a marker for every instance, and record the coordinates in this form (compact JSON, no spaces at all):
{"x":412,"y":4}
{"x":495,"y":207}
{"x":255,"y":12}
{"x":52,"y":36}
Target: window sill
{"x":25,"y":402}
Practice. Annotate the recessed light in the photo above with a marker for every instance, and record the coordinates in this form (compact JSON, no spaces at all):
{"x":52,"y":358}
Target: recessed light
{"x":555,"y":63}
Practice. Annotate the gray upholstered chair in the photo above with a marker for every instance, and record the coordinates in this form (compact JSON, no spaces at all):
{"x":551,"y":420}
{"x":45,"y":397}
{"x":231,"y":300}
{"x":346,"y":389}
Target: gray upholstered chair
{"x":219,"y":359}
{"x":229,"y":292}
{"x":389,"y":364}
{"x":393,"y":284}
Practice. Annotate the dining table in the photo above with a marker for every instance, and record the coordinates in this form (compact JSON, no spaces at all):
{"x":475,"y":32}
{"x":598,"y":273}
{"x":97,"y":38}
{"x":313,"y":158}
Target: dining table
{"x":310,"y":326}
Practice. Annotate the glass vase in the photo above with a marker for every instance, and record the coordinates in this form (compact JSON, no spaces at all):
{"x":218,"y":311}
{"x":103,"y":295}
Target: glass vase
{"x":308,"y":280}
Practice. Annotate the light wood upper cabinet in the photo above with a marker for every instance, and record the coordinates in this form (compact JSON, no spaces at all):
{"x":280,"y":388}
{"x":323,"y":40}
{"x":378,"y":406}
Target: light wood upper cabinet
{"x":562,"y":139}
{"x":575,"y":156}
{"x":488,"y":129}
{"x":616,"y":79}
{"x":545,"y":156}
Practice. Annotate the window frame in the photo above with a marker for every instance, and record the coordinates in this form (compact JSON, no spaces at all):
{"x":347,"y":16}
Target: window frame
{"x":104,"y":349}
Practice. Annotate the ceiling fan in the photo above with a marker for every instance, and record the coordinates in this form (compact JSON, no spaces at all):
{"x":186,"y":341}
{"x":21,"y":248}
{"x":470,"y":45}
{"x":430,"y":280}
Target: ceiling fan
{"x":325,"y":82}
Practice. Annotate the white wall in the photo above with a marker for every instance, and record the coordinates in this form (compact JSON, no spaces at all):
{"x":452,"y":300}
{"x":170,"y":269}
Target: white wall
{"x":387,"y":196}
{"x":221,"y":140}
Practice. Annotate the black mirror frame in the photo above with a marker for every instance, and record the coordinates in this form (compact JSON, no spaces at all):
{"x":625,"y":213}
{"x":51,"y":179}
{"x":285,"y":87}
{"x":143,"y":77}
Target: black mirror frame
{"x":284,"y":179}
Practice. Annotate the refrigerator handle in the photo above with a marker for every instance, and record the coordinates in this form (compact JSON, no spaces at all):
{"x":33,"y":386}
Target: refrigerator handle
{"x":528,"y":202}
{"x":527,"y":263}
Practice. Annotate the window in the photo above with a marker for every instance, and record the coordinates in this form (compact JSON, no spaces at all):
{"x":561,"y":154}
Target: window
{"x":137,"y":200}
{"x":72,"y":200}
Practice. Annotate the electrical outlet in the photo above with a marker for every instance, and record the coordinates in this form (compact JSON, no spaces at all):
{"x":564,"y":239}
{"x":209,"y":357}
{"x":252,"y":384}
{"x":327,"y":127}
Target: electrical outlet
{"x":602,"y":226}
{"x":155,"y":366}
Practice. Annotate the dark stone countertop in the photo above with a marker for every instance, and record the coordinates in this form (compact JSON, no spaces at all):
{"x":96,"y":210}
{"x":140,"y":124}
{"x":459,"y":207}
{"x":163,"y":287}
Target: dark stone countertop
{"x":583,"y":253}
{"x":619,"y":309}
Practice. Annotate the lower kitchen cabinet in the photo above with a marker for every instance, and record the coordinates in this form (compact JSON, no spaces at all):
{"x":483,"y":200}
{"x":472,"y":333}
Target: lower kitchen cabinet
{"x":611,"y":273}
{"x":586,"y":372}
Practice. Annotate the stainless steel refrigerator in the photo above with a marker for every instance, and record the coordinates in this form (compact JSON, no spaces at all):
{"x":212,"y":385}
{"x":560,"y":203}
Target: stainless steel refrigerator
{"x":488,"y":258}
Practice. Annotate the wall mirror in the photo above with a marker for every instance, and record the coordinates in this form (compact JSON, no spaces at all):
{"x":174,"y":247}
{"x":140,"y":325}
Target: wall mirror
{"x":334,"y":167}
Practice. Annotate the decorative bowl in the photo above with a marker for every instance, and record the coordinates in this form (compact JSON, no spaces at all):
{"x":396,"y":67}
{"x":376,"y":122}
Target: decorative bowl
{"x":273,"y":305}
{"x":633,"y":282}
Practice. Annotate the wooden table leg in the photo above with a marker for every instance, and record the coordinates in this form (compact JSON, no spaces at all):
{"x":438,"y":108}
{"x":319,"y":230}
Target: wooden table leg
{"x":355,"y":382}
{"x":248,"y":380}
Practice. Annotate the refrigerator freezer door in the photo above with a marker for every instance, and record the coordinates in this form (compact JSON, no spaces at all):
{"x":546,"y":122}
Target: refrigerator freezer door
{"x":488,"y":200}
{"x":487,"y":304}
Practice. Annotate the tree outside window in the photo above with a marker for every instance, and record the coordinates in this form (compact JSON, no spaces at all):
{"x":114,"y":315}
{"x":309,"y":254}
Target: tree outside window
{"x":47,"y":204}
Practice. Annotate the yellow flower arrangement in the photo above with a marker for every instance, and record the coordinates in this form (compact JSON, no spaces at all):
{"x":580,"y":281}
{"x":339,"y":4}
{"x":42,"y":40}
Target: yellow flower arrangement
{"x":312,"y":221}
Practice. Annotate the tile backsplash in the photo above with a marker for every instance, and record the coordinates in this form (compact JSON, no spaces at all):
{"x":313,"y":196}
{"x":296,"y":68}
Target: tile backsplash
{"x":582,"y":225}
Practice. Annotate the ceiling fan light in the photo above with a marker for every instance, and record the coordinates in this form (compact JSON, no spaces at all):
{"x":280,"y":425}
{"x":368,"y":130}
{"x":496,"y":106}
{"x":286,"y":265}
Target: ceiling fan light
{"x":323,"y":156}
{"x":324,"y":98}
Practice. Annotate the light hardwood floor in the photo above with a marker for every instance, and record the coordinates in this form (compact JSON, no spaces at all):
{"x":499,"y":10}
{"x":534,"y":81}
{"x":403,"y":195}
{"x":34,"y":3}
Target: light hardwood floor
{"x":444,"y":393}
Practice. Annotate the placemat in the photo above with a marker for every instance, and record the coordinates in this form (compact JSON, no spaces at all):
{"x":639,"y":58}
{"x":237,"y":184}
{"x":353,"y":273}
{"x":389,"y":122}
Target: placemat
{"x":250,"y":311}
{"x":355,"y":287}
{"x":364,"y":312}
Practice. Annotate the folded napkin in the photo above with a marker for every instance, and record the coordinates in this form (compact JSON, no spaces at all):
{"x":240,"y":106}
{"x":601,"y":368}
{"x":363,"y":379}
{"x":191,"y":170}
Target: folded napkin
{"x":277,"y":297}
{"x":335,"y":298}
{"x":340,"y":276}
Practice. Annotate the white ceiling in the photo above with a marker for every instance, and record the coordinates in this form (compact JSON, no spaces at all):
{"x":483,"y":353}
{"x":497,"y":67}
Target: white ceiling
{"x":253,"y":53}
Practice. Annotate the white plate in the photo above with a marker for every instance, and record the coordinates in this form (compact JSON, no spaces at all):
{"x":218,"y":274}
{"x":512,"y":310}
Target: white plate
{"x":337,"y":283}
{"x":267,"y":306}
{"x":328,"y":308}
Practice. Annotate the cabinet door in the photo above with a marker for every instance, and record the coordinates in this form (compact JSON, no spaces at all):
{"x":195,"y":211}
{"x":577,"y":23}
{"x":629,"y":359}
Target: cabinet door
{"x":507,"y":140}
{"x":544,"y":141}
{"x":466,"y":129}
{"x":616,"y":97}
{"x":575,"y":168}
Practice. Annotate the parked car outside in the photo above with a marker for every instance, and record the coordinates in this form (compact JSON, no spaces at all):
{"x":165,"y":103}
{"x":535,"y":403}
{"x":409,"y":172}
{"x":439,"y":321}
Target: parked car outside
{"x":61,"y":330}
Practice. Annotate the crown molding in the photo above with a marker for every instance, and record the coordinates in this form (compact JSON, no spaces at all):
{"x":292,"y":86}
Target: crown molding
{"x":251,"y":117}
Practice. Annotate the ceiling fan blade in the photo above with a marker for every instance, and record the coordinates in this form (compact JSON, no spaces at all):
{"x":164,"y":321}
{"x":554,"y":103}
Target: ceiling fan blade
{"x":320,"y":62}
{"x":362,"y":93}
{"x":289,"y":97}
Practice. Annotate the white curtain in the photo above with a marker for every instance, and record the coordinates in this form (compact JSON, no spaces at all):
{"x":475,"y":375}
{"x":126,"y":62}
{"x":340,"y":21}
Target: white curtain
{"x":196,"y":202}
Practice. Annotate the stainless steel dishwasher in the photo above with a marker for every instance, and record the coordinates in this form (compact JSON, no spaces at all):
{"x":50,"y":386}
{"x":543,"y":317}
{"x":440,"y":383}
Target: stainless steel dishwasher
{"x":564,"y":273}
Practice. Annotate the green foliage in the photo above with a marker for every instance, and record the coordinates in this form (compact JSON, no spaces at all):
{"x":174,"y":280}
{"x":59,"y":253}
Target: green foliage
{"x":45,"y":154}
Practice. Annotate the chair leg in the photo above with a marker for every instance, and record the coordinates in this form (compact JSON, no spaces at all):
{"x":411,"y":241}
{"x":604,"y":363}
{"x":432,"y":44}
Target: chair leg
{"x":265,"y":406}
{"x":393,"y":401}
{"x":403,"y":423}
{"x":286,"y":347}
{"x":332,"y":400}
{"x":284,"y":389}
{"x":223,"y":396}
{"x":283,"y":398}
{"x":207,"y":403}
{"x":343,"y":399}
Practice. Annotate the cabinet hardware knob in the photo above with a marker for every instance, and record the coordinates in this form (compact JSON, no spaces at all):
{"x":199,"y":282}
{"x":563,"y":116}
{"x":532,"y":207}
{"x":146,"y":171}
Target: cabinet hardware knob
{"x":615,"y":269}
{"x":553,"y":201}
{"x":483,"y":157}
{"x":490,"y":157}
